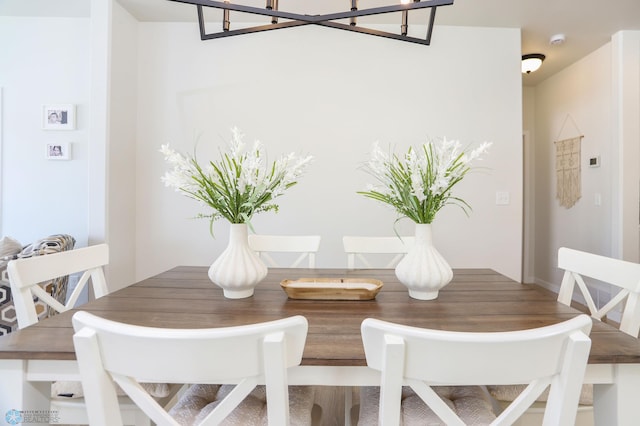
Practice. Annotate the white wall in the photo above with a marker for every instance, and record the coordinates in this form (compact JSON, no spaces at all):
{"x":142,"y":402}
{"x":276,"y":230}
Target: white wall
{"x":43,"y":61}
{"x":625,"y":61}
{"x":121,"y":204}
{"x":331,"y":94}
{"x":311,"y":90}
{"x":529,"y":184}
{"x":580,"y":98}
{"x":600,"y":93}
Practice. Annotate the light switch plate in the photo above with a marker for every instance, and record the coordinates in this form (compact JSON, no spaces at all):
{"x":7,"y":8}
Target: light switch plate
{"x":502,"y":198}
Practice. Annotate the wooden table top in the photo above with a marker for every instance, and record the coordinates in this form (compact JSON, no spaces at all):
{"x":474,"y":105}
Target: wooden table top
{"x":184,"y":297}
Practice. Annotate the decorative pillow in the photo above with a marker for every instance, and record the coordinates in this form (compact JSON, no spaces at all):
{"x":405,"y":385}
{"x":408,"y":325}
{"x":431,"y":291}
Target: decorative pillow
{"x":49,"y":245}
{"x":9,"y":249}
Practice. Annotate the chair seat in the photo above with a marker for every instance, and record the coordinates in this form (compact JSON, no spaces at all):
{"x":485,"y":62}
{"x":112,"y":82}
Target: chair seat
{"x":199,"y":400}
{"x":471,"y":403}
{"x":511,"y":392}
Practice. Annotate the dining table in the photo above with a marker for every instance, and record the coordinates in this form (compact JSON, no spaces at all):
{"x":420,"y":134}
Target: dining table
{"x":476,"y":300}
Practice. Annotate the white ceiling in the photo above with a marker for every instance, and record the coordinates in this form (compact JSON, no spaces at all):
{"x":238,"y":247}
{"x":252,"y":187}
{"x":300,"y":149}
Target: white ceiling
{"x":587,"y":24}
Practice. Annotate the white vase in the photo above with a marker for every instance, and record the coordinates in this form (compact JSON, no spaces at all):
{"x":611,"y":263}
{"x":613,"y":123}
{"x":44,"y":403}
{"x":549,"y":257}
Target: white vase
{"x":423,"y":270}
{"x":238,"y":269}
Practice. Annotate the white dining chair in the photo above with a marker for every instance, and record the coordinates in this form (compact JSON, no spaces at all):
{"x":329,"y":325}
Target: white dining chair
{"x":421,"y":360}
{"x":306,"y":245}
{"x":110,"y":352}
{"x":25,"y":276}
{"x":357,"y":247}
{"x":623,"y":277}
{"x":372,"y":252}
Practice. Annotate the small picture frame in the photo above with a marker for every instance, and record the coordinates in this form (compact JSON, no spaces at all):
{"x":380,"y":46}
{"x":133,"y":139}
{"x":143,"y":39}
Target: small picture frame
{"x":58,"y":151}
{"x":59,"y":117}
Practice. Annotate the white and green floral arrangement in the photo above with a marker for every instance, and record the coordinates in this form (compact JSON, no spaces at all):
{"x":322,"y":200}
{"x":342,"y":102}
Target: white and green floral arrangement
{"x":420,"y":182}
{"x":239,"y":185}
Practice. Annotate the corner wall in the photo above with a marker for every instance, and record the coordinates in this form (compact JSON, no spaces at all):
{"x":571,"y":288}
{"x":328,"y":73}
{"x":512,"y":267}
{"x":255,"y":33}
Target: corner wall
{"x":121,"y":175}
{"x":597,"y":97}
{"x":625,"y":62}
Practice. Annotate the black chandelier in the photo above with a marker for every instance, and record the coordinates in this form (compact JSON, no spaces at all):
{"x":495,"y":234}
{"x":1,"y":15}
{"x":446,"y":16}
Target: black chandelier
{"x":326,"y":20}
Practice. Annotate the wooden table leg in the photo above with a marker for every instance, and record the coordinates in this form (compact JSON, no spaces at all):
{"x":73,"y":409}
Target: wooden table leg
{"x":20,"y":399}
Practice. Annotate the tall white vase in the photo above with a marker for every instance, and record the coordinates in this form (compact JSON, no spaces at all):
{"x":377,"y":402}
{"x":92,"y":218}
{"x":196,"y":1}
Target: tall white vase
{"x":238,"y":269}
{"x":423,"y":270}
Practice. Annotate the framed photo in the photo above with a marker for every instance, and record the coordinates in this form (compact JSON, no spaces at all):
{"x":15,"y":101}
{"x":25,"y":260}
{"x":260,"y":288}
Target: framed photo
{"x":59,"y":151}
{"x":59,"y":117}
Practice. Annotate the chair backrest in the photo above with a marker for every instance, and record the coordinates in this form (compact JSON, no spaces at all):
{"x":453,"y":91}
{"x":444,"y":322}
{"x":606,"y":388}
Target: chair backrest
{"x":109,"y":352}
{"x":26,"y":274}
{"x":619,"y":273}
{"x":554,"y":355}
{"x":306,"y":245}
{"x":357,"y":247}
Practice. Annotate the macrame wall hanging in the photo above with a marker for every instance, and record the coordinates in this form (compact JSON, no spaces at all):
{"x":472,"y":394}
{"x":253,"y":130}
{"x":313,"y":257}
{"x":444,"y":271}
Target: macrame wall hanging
{"x":568,"y":176}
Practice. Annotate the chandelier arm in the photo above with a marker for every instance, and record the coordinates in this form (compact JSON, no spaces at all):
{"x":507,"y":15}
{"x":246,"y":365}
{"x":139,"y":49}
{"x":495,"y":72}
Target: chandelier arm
{"x":201,"y":22}
{"x":432,"y":19}
{"x":373,"y":32}
{"x":250,"y":30}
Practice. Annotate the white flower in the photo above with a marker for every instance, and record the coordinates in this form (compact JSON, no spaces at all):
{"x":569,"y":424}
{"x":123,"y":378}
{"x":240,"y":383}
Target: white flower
{"x":419,"y":183}
{"x":240,"y":184}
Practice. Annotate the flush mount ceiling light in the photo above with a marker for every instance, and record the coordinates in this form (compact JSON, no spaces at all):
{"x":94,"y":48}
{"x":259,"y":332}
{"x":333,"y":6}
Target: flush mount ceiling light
{"x":273,"y":14}
{"x":531,"y":62}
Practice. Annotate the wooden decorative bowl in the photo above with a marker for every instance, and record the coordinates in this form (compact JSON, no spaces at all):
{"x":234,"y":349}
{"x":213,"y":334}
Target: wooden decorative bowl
{"x":332,"y":288}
